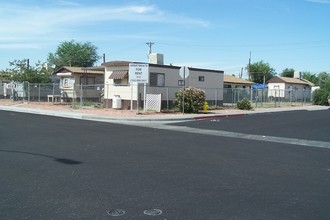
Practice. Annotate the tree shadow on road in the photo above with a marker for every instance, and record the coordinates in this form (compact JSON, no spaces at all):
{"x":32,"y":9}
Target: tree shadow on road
{"x":60,"y":160}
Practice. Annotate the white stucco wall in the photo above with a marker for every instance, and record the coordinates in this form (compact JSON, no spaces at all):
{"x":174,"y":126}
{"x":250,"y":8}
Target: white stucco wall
{"x":212,"y":84}
{"x":287,"y":90}
{"x":276,"y":89}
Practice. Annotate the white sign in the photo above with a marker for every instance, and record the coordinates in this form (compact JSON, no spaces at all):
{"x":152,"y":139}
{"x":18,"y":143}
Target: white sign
{"x":184,"y":72}
{"x":138,"y":73}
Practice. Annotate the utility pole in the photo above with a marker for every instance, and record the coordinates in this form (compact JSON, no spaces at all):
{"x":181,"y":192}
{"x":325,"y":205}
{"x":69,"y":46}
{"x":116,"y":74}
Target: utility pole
{"x":150,"y":46}
{"x":250,"y":67}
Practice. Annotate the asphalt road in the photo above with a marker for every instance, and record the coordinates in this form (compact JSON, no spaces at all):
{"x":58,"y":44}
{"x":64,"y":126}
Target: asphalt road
{"x":57,"y":168}
{"x":310,"y":125}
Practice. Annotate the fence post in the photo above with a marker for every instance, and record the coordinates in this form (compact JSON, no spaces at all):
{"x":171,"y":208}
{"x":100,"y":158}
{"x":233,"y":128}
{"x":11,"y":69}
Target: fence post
{"x":107,"y":100}
{"x":303,"y":100}
{"x":216,"y":97}
{"x":28,"y":92}
{"x":38,"y":92}
{"x":81,"y":98}
{"x":251,"y":95}
{"x":167,"y":102}
{"x":233,"y":96}
{"x":73,"y":95}
{"x":53,"y":92}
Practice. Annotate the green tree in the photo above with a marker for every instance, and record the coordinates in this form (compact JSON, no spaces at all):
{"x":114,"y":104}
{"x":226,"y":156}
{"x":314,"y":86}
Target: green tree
{"x":320,"y":96}
{"x":71,"y":53}
{"x":287,"y":73}
{"x":20,"y":71}
{"x":4,"y":75}
{"x":260,"y":72}
{"x":313,"y":78}
{"x":324,"y":80}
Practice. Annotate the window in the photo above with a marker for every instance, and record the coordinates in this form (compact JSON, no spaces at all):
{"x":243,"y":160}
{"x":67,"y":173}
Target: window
{"x":157,"y":79}
{"x":67,"y":82}
{"x":201,"y":78}
{"x":87,"y":80}
{"x":181,"y":82}
{"x":117,"y":81}
{"x":121,"y":82}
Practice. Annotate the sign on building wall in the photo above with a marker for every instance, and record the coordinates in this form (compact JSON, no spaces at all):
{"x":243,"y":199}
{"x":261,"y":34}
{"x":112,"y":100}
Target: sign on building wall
{"x":138,"y":73}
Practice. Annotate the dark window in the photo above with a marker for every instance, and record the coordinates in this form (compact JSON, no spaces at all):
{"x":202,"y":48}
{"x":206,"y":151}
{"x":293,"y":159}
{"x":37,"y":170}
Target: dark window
{"x":201,"y":78}
{"x":87,"y":80}
{"x":117,"y":81}
{"x":157,"y":79}
{"x":181,"y":82}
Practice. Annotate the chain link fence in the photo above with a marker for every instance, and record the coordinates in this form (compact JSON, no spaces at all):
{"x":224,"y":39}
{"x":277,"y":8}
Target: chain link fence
{"x":268,"y":97}
{"x":101,"y":95}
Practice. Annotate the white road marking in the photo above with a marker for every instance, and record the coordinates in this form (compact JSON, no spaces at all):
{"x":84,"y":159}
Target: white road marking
{"x":282,"y":140}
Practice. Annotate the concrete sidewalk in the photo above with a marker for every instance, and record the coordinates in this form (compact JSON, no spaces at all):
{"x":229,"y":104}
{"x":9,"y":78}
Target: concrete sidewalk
{"x":158,"y":117}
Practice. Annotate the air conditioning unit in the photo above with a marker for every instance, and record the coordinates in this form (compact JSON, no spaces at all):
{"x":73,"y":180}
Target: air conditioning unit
{"x":156,"y":58}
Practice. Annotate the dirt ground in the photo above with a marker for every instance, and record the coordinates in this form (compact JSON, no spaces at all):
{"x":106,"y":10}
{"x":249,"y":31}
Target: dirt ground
{"x":106,"y":111}
{"x":68,"y":108}
{"x":91,"y":109}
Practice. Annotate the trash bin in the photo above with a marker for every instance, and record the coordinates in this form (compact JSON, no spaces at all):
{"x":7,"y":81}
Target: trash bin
{"x":116,"y":101}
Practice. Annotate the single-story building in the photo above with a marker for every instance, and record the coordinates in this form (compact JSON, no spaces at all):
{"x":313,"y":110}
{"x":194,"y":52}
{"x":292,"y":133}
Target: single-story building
{"x":92,"y":81}
{"x":163,"y":79}
{"x":289,"y":88}
{"x":234,"y":82}
{"x":234,"y":88}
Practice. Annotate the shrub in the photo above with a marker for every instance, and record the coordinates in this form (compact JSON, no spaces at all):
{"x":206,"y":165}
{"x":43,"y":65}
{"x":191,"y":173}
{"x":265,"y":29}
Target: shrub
{"x":194,"y":99}
{"x":320,"y":96}
{"x":244,"y":104}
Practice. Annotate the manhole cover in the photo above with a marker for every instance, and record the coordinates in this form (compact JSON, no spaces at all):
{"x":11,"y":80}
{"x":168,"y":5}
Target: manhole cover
{"x":153,"y":212}
{"x":116,"y":212}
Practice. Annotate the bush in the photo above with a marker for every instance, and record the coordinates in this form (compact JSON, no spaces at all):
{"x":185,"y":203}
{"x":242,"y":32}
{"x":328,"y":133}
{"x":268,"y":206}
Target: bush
{"x":244,"y":104}
{"x":193,"y":99}
{"x":320,"y":96}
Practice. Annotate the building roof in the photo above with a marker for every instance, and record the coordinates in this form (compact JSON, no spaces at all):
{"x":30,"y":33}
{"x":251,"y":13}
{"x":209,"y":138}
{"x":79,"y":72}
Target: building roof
{"x":126,"y":63}
{"x":280,"y":79}
{"x":79,"y":70}
{"x":234,"y":80}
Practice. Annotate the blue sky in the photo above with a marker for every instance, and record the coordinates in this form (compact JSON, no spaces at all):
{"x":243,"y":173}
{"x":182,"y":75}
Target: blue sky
{"x":216,"y":34}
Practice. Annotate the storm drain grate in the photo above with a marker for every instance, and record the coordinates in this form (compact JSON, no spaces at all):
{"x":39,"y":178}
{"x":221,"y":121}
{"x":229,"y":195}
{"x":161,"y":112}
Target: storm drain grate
{"x":153,"y":212}
{"x":116,"y":212}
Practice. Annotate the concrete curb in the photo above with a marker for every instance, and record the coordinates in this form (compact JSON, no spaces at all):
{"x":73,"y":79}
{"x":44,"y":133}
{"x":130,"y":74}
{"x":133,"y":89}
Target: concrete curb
{"x":170,"y":118}
{"x":219,"y":116}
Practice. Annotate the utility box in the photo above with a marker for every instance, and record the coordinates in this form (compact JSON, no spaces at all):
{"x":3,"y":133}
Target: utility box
{"x":116,"y":102}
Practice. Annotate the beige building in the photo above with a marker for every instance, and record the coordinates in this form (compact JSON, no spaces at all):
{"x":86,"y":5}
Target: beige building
{"x":289,"y":88}
{"x":163,"y":79}
{"x":73,"y":77}
{"x":234,"y":82}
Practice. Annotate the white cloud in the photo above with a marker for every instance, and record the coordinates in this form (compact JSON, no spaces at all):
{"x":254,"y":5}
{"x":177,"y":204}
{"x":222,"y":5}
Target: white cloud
{"x":19,"y":46}
{"x":67,"y":3}
{"x":26,"y":23}
{"x":319,"y":1}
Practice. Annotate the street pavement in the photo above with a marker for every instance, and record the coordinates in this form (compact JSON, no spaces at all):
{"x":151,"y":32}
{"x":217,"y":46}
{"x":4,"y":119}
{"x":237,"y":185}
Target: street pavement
{"x":218,"y":167}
